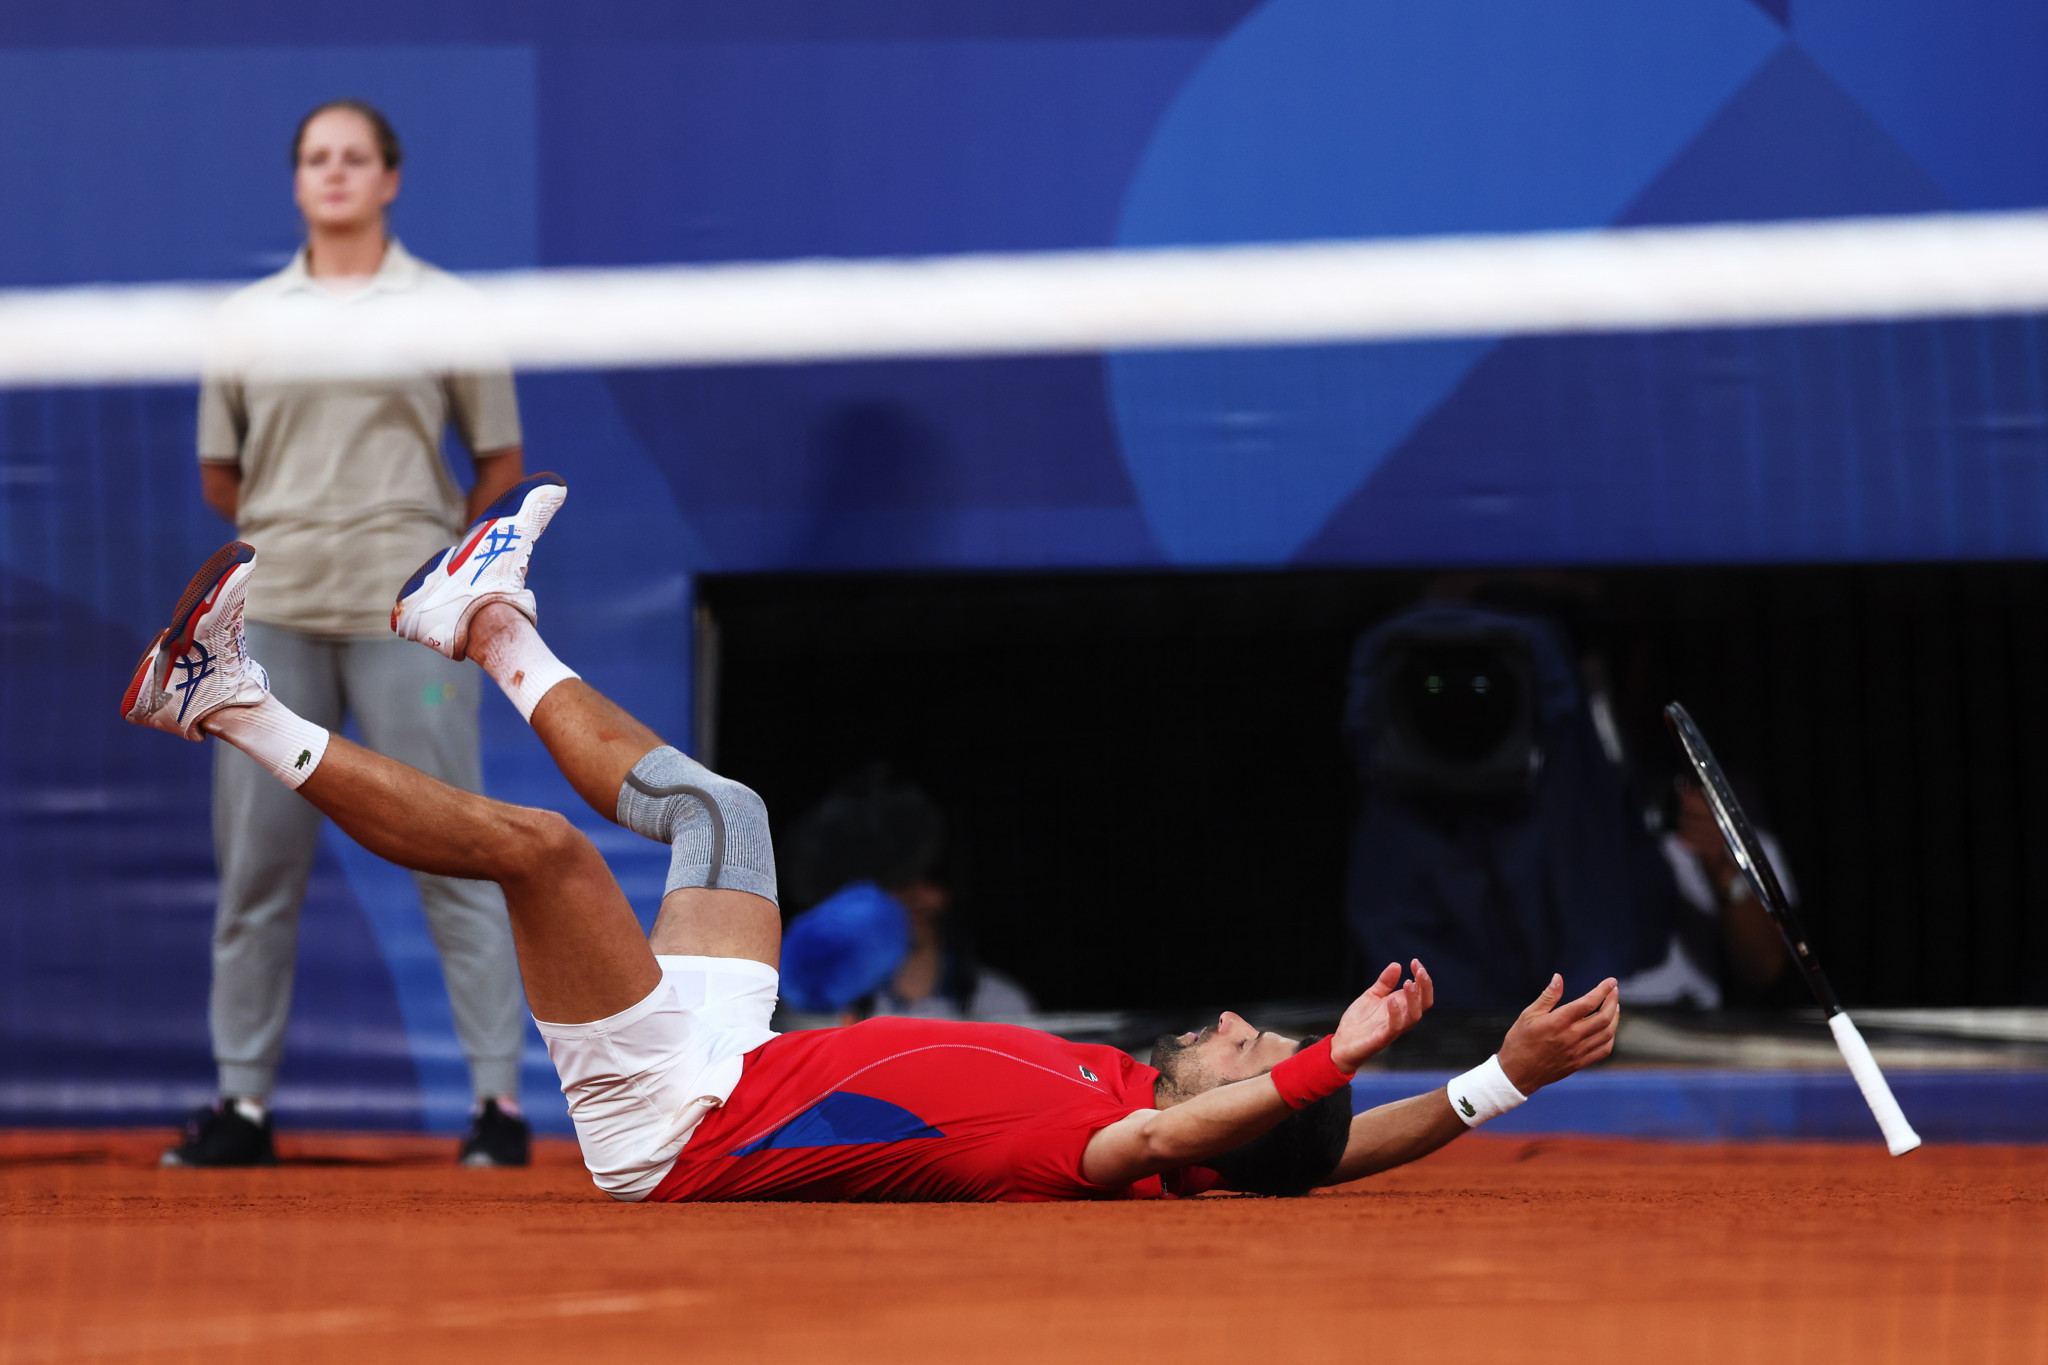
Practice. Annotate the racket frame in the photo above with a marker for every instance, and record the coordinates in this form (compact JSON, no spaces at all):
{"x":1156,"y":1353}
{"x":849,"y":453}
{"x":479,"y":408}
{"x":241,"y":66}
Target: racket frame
{"x":1747,"y":849}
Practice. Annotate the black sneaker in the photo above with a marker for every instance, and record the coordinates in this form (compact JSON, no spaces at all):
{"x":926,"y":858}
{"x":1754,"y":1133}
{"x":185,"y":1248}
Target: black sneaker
{"x":219,"y":1136}
{"x":496,"y":1138}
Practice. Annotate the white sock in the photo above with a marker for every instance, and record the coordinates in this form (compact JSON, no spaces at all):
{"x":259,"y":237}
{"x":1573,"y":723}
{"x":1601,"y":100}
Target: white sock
{"x":271,"y":734}
{"x":521,"y":664}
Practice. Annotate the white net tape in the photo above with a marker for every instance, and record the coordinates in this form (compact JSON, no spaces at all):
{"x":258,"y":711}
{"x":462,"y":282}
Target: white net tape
{"x":1611,"y":280}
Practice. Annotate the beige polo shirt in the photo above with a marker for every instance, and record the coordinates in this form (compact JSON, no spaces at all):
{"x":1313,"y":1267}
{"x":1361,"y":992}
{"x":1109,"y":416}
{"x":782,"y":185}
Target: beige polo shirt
{"x":345,"y":490}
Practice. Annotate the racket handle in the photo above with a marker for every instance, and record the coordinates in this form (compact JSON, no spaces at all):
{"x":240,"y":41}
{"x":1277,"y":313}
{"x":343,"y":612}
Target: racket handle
{"x":1898,"y":1134}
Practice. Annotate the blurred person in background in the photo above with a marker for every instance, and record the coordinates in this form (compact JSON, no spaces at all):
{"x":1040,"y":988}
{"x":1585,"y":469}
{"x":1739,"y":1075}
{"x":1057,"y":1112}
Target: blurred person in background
{"x":344,"y":488}
{"x":877,"y":935}
{"x":1497,"y":836}
{"x":1724,"y":949}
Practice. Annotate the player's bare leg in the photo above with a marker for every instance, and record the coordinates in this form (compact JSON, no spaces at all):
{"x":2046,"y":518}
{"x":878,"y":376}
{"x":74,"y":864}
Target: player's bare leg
{"x":581,"y":953}
{"x":471,"y":601}
{"x":598,"y":745}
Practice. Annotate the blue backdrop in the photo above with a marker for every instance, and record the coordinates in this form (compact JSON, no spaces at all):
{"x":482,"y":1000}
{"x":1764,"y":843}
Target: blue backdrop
{"x":148,"y":141}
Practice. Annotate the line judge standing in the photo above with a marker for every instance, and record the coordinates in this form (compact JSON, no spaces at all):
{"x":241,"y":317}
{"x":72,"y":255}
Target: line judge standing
{"x":344,"y":489}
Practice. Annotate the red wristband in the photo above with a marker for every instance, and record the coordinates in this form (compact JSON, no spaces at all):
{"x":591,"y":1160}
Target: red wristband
{"x":1309,"y":1075}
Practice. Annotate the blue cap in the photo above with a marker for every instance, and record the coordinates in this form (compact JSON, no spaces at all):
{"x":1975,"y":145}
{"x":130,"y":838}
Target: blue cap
{"x":844,"y":947}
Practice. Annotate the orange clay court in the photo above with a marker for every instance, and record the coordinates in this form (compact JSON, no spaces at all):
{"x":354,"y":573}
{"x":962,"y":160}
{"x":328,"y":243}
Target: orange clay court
{"x":374,"y":1248}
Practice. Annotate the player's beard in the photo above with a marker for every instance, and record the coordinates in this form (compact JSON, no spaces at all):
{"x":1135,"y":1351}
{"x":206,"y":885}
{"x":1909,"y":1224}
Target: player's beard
{"x":1180,"y":1067}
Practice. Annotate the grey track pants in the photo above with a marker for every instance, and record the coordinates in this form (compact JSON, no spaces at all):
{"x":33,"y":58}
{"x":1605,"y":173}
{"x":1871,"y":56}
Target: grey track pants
{"x":414,"y":706}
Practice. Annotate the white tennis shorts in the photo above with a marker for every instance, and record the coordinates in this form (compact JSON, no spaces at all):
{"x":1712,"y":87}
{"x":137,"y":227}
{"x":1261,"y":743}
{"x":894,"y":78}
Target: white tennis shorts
{"x":641,"y":1081}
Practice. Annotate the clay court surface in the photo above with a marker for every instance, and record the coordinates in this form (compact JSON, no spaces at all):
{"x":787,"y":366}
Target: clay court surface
{"x":367,"y":1248}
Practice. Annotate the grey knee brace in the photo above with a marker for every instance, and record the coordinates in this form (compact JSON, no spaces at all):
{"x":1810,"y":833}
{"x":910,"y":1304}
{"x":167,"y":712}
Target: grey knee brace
{"x":717,"y":827}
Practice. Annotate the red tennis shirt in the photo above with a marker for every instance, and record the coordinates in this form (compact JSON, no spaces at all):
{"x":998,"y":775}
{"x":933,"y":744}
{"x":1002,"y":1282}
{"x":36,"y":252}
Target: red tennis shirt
{"x":909,"y":1109}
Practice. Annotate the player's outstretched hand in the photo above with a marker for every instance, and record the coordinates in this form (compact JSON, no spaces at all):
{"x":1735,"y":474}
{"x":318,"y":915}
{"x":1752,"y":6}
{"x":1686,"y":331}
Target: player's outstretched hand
{"x":1387,"y":1010}
{"x":1551,"y":1041}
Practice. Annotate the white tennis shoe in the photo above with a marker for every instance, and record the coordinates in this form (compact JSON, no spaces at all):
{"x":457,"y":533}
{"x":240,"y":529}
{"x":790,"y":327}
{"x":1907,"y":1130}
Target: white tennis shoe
{"x":488,"y":565}
{"x":200,"y":663}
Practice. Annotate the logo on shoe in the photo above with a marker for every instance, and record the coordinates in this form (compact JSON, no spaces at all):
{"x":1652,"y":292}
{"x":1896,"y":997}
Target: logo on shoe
{"x":502,"y":538}
{"x":197,"y":668}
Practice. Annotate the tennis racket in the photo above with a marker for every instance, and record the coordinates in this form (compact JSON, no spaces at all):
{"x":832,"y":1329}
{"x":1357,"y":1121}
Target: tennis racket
{"x":1749,"y":855}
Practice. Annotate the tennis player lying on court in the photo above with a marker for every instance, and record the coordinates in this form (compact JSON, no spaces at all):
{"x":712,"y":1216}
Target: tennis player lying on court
{"x":676,"y":1085}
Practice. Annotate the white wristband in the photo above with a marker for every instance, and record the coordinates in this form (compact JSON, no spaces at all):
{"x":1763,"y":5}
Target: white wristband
{"x":1483,"y":1092}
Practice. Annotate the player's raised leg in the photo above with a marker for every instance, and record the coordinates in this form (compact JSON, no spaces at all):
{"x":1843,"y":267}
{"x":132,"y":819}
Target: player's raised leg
{"x":580,"y":949}
{"x":472,"y":601}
